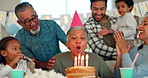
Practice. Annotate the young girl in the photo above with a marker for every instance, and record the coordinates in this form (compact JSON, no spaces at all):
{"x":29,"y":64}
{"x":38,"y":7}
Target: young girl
{"x":125,"y":23}
{"x":11,"y":57}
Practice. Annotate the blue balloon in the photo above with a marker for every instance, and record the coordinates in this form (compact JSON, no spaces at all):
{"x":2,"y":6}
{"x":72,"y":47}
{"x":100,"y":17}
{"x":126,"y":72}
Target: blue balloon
{"x":12,"y":29}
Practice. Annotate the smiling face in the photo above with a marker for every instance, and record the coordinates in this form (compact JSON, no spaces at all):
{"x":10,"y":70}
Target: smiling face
{"x":29,"y":20}
{"x":13,"y":48}
{"x":123,"y":8}
{"x":98,"y":9}
{"x":77,"y":42}
{"x":143,"y":30}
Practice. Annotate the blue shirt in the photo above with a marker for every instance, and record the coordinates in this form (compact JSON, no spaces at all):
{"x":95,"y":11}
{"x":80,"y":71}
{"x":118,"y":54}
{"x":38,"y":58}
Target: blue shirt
{"x":141,"y":65}
{"x":45,"y":44}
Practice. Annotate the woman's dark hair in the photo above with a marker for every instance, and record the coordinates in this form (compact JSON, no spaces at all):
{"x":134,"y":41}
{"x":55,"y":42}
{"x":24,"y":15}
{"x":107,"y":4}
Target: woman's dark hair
{"x":3,"y":45}
{"x":129,"y":3}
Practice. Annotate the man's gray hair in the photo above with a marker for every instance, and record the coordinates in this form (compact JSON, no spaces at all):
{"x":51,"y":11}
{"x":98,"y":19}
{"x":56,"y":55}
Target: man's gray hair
{"x":22,"y":7}
{"x":75,"y":28}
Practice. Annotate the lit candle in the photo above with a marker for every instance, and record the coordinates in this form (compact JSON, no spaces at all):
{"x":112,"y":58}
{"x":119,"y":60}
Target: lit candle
{"x":87,"y":57}
{"x":82,"y":60}
{"x":75,"y":61}
{"x":79,"y":60}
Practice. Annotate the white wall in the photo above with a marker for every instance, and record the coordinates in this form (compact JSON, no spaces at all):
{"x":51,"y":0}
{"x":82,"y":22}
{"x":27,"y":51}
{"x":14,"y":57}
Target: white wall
{"x":8,"y":5}
{"x":137,"y":1}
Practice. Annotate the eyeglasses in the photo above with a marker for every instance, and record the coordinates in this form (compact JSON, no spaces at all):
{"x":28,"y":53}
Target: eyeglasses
{"x":28,"y":21}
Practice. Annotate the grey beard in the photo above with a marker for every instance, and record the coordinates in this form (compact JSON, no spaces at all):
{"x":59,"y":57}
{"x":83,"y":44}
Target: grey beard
{"x":35,"y":31}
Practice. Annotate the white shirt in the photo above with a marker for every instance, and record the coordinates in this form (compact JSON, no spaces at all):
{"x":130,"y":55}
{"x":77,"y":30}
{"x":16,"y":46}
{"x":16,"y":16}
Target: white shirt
{"x":5,"y":69}
{"x":127,"y":24}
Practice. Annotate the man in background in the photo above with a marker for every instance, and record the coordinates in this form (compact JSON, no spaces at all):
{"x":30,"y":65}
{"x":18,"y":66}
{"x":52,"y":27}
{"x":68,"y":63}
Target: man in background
{"x":104,"y":46}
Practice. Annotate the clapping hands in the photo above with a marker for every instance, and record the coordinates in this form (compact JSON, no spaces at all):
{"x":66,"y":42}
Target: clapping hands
{"x":121,"y":44}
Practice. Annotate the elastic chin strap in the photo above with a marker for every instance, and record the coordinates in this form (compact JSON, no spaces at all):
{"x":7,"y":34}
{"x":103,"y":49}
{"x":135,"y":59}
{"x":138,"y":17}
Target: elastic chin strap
{"x":140,"y":47}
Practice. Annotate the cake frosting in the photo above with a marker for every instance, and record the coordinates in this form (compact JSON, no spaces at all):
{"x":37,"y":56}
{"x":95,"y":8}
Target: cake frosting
{"x":80,"y":72}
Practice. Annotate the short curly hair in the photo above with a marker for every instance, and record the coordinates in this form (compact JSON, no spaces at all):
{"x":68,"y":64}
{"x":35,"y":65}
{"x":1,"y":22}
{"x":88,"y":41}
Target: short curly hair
{"x":91,"y":1}
{"x":129,"y":3}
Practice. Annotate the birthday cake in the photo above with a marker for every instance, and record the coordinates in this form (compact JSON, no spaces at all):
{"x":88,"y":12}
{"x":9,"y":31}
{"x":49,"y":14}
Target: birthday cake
{"x":80,"y":72}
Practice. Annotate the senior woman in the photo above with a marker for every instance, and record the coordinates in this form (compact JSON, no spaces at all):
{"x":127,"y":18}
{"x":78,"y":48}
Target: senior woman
{"x":77,"y":43}
{"x":141,"y":65}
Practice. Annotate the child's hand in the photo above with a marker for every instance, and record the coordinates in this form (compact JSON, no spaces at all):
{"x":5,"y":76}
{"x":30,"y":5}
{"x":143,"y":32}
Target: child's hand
{"x":103,"y":32}
{"x":16,"y":59}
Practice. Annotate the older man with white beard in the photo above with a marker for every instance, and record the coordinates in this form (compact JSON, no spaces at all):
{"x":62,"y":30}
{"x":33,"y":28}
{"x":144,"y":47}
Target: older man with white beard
{"x":39,"y":38}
